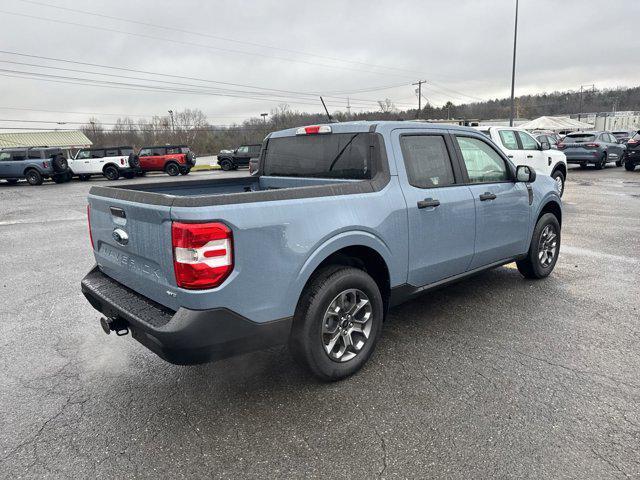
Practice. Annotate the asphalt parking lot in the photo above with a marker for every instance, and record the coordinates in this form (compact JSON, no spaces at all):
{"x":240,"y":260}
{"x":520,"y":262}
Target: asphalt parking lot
{"x":492,"y":377}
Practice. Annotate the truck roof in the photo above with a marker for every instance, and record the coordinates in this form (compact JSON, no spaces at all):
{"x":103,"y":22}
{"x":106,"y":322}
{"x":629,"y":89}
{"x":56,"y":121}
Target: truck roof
{"x":376,"y":126}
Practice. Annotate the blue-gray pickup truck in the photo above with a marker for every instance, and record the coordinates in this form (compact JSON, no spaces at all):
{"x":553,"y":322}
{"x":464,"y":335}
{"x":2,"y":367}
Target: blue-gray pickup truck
{"x":342,"y":222}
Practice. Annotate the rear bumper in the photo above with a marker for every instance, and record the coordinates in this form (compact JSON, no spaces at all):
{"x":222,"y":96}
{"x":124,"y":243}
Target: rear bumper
{"x":632,"y":157}
{"x":186,"y":336}
{"x":583,"y":157}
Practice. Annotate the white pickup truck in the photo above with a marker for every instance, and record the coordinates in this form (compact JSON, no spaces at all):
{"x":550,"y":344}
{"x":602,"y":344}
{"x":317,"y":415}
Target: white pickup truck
{"x":523,"y":149}
{"x":112,"y":162}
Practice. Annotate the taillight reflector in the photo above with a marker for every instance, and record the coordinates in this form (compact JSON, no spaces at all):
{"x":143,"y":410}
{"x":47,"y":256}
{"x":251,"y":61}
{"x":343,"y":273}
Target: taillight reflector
{"x":313,"y":129}
{"x":89,"y":223}
{"x":202,"y":254}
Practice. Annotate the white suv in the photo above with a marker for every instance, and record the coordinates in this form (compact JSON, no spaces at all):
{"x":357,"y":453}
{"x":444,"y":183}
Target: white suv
{"x":112,"y":162}
{"x":523,"y":149}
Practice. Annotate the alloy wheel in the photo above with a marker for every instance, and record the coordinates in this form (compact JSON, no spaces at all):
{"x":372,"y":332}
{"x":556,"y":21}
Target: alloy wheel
{"x":547,"y":246}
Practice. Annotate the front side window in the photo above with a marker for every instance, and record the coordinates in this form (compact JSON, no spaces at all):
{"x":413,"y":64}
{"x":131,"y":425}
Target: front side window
{"x":483,"y":163}
{"x":84,"y":154}
{"x":243,"y":150}
{"x":508,"y":139}
{"x":145,"y":152}
{"x":528,"y":142}
{"x":427,"y":161}
{"x":5,"y":156}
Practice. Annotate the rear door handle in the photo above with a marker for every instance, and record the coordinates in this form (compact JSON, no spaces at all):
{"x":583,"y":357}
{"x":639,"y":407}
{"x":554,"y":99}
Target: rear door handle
{"x":529,"y":156}
{"x":487,"y":196}
{"x":429,"y":202}
{"x":510,"y":156}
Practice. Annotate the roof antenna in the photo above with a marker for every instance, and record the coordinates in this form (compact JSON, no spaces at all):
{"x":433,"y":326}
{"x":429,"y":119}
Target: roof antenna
{"x":331,"y":120}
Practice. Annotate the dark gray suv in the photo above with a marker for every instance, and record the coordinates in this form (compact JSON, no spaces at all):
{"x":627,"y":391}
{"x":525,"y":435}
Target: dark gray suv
{"x":34,"y":164}
{"x":597,"y":148}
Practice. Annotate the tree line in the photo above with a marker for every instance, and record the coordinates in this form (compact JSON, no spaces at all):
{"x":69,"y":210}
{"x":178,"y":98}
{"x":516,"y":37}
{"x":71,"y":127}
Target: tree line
{"x":191,"y":127}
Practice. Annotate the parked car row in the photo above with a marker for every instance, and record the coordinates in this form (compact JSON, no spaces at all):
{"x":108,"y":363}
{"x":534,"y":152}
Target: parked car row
{"x":597,"y":148}
{"x":36,"y":164}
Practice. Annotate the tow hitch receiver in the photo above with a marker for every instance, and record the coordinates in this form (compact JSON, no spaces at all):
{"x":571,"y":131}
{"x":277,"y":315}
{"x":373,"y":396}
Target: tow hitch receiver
{"x":114,"y":324}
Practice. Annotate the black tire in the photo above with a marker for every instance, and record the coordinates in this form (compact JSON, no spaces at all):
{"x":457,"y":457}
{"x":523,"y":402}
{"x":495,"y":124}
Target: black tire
{"x":12,"y":181}
{"x":134,"y":160}
{"x":185,"y":171}
{"x":59,"y":163}
{"x":533,"y":266}
{"x":558,"y":175}
{"x":603,"y":162}
{"x":225,"y":165}
{"x":629,"y":167}
{"x":190,"y":158}
{"x":172,"y":169}
{"x":111,"y":172}
{"x":84,"y":177}
{"x":619,"y":163}
{"x":306,"y":341}
{"x":33,"y":177}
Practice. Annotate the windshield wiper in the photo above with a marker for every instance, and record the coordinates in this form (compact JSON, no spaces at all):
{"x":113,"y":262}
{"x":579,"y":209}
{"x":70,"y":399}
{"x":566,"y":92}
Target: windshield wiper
{"x":333,"y":162}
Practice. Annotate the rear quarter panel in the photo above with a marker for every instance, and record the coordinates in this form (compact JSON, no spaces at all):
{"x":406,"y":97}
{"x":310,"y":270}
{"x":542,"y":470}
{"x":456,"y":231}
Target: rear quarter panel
{"x":278,"y":245}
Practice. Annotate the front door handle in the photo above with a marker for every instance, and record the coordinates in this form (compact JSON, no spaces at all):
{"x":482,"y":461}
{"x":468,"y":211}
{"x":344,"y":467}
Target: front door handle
{"x":510,"y":156}
{"x":529,"y":156}
{"x":487,"y":196}
{"x":429,"y":202}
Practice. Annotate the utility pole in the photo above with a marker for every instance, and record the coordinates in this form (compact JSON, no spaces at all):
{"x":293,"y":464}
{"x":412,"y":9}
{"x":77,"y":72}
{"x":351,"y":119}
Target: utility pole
{"x":513,"y":67}
{"x":593,"y":87}
{"x":348,"y":108}
{"x":173,"y":127}
{"x":419,"y":84}
{"x":264,"y":117}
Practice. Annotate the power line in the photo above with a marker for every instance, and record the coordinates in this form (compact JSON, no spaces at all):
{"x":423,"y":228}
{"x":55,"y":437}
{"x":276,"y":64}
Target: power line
{"x":111,"y":114}
{"x":193,"y":44}
{"x":173,"y":28}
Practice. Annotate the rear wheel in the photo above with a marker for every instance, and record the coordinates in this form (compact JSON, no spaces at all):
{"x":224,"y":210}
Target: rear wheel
{"x":172,"y":169}
{"x":603,"y":162}
{"x":629,"y":167}
{"x":111,"y":172}
{"x":337,"y":322}
{"x":544,"y":249}
{"x":33,"y":177}
{"x":558,"y":176}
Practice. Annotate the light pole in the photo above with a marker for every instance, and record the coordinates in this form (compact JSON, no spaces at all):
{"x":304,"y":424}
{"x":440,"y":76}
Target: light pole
{"x":264,"y":117}
{"x":513,"y":67}
{"x":593,"y":87}
{"x":173,"y":127}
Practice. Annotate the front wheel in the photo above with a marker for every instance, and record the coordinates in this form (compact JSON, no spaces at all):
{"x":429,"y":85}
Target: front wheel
{"x":544,"y":249}
{"x":172,"y":170}
{"x":629,"y":167}
{"x":558,"y":177}
{"x":337,"y":322}
{"x":226,"y":165}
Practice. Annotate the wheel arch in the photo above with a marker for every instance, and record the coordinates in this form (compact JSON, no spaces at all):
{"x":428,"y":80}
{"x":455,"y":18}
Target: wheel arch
{"x":110,"y":164}
{"x":551,"y":207}
{"x":561,"y":167}
{"x":33,"y":167}
{"x":361,"y":250}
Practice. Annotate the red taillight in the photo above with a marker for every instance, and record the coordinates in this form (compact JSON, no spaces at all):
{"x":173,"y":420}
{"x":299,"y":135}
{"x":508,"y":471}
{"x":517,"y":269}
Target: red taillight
{"x":632,"y":141}
{"x":313,"y":129}
{"x":122,"y":161}
{"x":592,"y":145}
{"x":45,"y":164}
{"x":202,"y":254}
{"x":89,"y":222}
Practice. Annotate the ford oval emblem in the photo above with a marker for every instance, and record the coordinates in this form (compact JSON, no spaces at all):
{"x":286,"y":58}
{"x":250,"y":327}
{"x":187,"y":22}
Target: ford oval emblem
{"x":120,"y":236}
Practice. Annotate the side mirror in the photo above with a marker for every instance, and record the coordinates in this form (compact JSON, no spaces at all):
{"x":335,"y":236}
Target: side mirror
{"x":525,"y":174}
{"x":545,"y":146}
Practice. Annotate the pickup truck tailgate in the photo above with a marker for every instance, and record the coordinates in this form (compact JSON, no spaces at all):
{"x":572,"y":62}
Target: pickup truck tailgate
{"x":132,"y":243}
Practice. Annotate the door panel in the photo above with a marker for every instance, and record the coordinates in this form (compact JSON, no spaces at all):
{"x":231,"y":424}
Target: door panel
{"x":441,"y":211}
{"x":502,"y":224}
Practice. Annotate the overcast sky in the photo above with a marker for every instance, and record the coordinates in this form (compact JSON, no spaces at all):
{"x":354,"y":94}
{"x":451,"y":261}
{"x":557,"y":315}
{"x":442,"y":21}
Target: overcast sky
{"x":297,"y":49}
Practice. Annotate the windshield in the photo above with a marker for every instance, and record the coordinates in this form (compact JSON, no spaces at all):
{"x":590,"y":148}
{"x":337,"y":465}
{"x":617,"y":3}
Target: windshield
{"x":339,"y":155}
{"x":579,"y":138}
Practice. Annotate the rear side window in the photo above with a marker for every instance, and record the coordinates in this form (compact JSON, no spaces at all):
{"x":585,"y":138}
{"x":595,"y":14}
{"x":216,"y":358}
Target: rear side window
{"x":126,"y":151}
{"x":427,"y":161}
{"x":35,"y":154}
{"x":19,"y":155}
{"x":482,"y":162}
{"x":159,"y":151}
{"x":335,"y":155}
{"x":528,"y":142}
{"x":97,"y":153}
{"x":636,"y":137}
{"x":111,"y":152}
{"x":172,"y":151}
{"x":508,"y":139}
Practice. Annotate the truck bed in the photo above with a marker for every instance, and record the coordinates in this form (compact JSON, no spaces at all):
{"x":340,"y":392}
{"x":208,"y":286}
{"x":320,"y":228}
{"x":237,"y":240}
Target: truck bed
{"x":224,"y":191}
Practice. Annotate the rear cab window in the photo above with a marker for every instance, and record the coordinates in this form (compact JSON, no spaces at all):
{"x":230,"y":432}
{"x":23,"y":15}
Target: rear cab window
{"x":334,"y":155}
{"x":427,"y":161}
{"x":579,"y":138}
